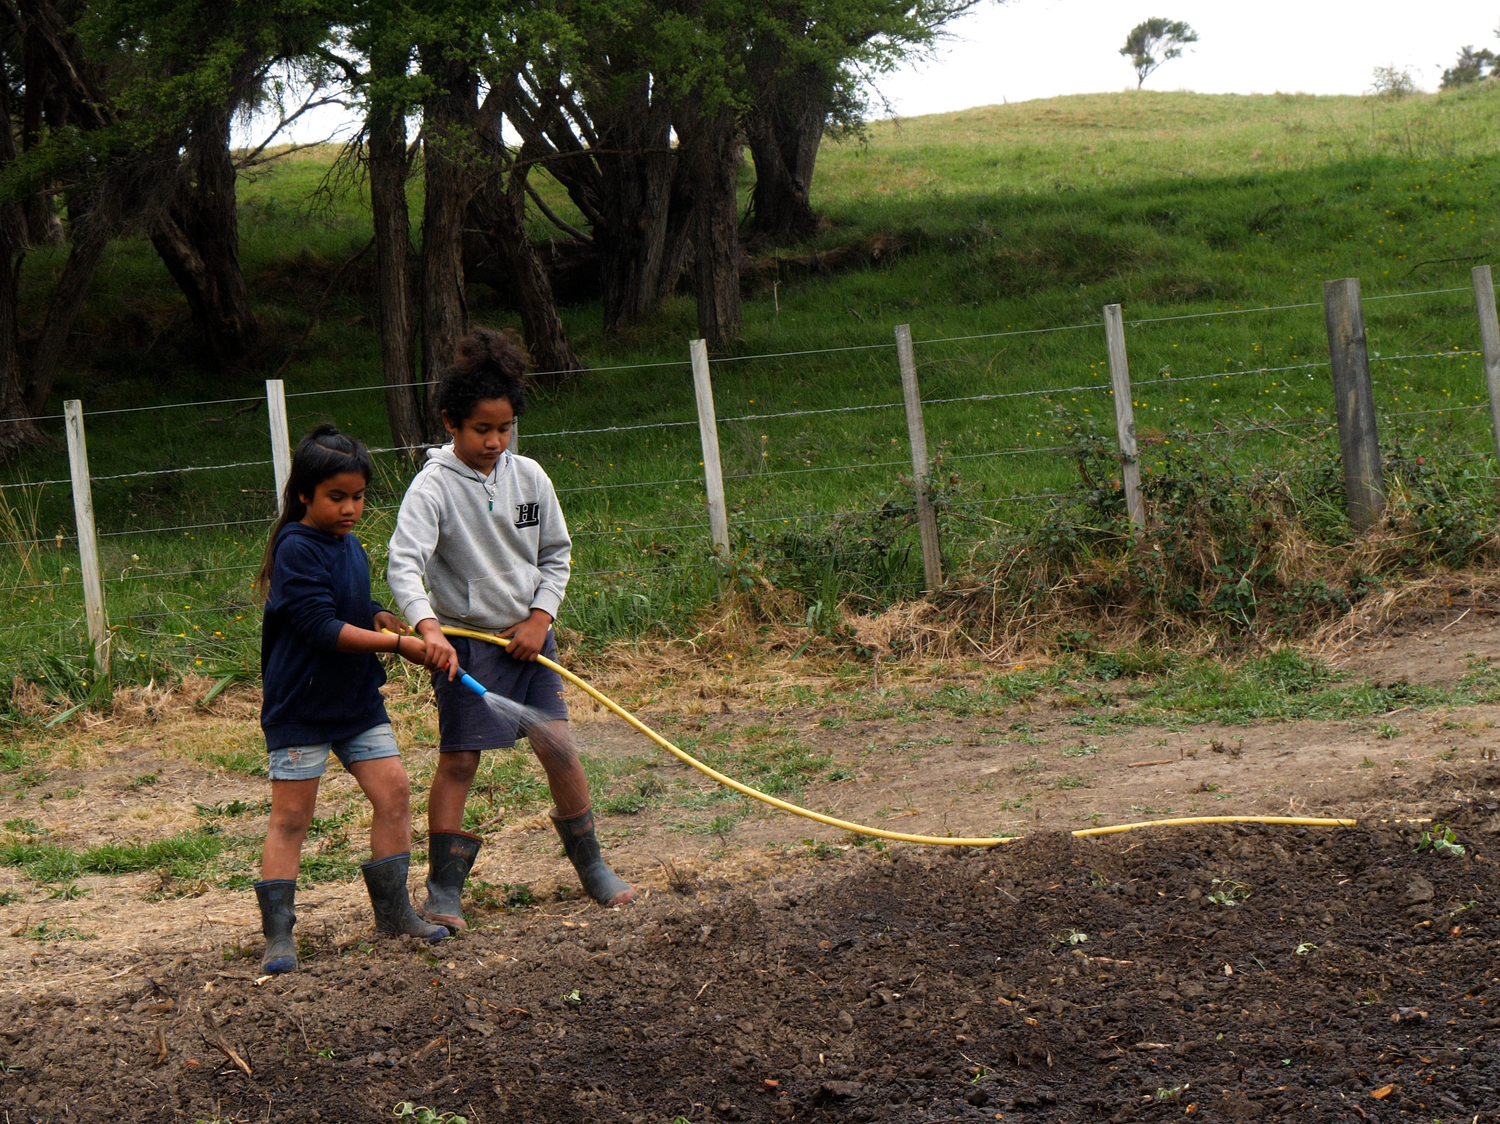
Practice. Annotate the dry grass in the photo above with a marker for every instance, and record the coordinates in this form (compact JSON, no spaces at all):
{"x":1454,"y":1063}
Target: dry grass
{"x":1390,"y":609}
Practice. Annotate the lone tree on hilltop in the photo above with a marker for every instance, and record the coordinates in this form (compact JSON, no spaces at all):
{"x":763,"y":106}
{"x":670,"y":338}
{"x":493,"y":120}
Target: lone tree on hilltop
{"x":1154,"y":42}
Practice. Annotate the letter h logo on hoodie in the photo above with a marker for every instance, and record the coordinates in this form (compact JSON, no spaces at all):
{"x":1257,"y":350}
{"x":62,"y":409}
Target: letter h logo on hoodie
{"x":528,"y":514}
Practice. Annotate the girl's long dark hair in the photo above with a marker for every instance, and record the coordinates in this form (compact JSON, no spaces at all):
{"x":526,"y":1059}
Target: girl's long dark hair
{"x":323,"y":454}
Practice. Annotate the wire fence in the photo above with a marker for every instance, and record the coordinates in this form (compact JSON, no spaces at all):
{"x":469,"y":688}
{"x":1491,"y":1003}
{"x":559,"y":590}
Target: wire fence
{"x":662,"y":509}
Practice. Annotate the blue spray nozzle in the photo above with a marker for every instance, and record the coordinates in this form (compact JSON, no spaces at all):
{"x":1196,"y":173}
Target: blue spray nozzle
{"x":473,"y":684}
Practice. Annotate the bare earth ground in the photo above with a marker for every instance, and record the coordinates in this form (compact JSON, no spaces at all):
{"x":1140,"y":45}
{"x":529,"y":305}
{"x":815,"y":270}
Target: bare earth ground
{"x":1035,"y":979}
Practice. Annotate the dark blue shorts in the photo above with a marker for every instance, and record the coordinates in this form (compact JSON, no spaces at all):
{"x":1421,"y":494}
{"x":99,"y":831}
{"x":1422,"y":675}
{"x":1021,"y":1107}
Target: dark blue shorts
{"x":465,"y":723}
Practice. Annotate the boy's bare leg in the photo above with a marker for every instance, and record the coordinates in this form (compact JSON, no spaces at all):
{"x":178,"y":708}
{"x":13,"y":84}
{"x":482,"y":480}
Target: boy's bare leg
{"x":450,"y":849}
{"x":450,"y":789}
{"x":574,"y":818}
{"x":553,"y":746}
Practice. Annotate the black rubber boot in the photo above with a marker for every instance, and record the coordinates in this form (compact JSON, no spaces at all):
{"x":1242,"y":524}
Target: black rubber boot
{"x":582,"y":845}
{"x":386,"y":881}
{"x":450,"y":857}
{"x":277,"y":898}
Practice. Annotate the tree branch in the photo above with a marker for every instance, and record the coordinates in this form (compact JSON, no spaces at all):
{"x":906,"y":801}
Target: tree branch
{"x":311,"y":102}
{"x":352,"y":73}
{"x":553,"y":218}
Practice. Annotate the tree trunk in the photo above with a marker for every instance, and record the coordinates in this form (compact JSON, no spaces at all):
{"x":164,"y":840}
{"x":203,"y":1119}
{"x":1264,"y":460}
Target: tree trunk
{"x":17,"y":430}
{"x":198,"y":239}
{"x":783,"y":134}
{"x":388,"y":206}
{"x":621,"y":175}
{"x":447,"y":148}
{"x":635,"y":163}
{"x":501,"y":209}
{"x":91,"y":231}
{"x":711,"y":145}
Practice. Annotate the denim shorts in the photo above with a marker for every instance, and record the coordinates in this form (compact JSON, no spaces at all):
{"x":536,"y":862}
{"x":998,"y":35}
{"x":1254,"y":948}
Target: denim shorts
{"x":307,"y":762}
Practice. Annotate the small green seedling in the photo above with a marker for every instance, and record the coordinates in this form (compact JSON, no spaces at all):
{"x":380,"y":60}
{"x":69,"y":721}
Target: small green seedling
{"x":1441,"y":841}
{"x":1228,"y":892}
{"x":1305,"y":947}
{"x":518,"y":895}
{"x":1070,"y":938}
{"x":573,"y":998}
{"x":421,"y":1114}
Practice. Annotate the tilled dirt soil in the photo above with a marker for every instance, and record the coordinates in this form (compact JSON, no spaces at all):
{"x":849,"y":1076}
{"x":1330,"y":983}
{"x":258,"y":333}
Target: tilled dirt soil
{"x":1227,"y":973}
{"x":772,"y":971}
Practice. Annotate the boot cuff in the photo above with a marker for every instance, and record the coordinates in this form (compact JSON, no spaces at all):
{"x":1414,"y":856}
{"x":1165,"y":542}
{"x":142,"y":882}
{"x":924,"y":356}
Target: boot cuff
{"x":390,"y":860}
{"x":460,"y":834}
{"x":581,"y":824}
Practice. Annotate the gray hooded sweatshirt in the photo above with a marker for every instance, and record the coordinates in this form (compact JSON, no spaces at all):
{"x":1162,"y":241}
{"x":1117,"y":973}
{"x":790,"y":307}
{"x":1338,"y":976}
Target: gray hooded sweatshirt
{"x":490,"y":548}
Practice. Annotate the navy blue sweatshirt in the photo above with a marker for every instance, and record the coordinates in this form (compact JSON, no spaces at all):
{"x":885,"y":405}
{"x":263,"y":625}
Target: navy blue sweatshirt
{"x":312,"y":693}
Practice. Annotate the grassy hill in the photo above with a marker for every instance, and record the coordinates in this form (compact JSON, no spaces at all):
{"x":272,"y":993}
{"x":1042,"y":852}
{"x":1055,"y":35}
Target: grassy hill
{"x":1002,"y":219}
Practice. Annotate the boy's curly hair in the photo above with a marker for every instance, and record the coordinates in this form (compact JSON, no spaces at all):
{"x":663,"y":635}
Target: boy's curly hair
{"x":490,"y":364}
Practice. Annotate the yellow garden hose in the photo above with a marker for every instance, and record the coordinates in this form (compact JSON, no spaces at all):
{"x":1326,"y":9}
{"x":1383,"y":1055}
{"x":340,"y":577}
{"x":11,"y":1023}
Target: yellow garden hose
{"x":844,"y":825}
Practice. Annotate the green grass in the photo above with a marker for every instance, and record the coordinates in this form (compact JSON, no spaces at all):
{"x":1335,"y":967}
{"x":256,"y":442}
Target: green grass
{"x":243,"y":762}
{"x":1279,"y":685}
{"x":1010,"y":218}
{"x":183,"y":856}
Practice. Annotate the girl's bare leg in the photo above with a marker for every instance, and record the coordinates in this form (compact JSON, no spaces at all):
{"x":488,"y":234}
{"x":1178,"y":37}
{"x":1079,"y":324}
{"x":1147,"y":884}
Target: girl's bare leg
{"x":292,"y":804}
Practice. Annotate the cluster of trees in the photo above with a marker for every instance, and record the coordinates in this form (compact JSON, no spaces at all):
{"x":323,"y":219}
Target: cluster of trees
{"x":115,"y":119}
{"x":1471,"y":66}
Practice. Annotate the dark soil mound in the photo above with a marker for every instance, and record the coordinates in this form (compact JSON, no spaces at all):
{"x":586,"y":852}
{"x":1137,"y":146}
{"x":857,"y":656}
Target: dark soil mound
{"x":1234,"y":974}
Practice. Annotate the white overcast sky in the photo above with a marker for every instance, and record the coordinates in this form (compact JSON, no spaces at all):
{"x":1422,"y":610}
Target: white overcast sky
{"x":1042,"y":48}
{"x":1028,"y":49}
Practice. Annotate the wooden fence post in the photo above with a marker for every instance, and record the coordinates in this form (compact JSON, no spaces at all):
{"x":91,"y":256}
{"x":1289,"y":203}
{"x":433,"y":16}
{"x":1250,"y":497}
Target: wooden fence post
{"x":88,"y":540}
{"x":1354,"y":400}
{"x":1119,"y":377}
{"x":932,"y":558}
{"x":1489,"y":340}
{"x":708,"y":432}
{"x":281,"y":441}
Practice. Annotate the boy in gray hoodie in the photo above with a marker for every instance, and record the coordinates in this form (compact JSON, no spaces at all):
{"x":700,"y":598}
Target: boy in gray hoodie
{"x":481,"y":543}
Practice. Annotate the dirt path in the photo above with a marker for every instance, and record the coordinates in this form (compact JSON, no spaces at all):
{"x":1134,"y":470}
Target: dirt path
{"x":726,"y":969}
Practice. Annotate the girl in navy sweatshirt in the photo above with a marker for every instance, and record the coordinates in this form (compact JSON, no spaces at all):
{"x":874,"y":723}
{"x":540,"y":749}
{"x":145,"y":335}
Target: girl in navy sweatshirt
{"x":321,"y":689}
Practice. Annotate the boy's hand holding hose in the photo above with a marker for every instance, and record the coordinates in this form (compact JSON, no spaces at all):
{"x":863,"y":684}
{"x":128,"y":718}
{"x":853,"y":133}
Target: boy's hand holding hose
{"x":526,"y":639}
{"x":439,"y":654}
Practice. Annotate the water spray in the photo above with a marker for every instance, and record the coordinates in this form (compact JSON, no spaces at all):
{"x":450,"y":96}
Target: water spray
{"x":526,"y":718}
